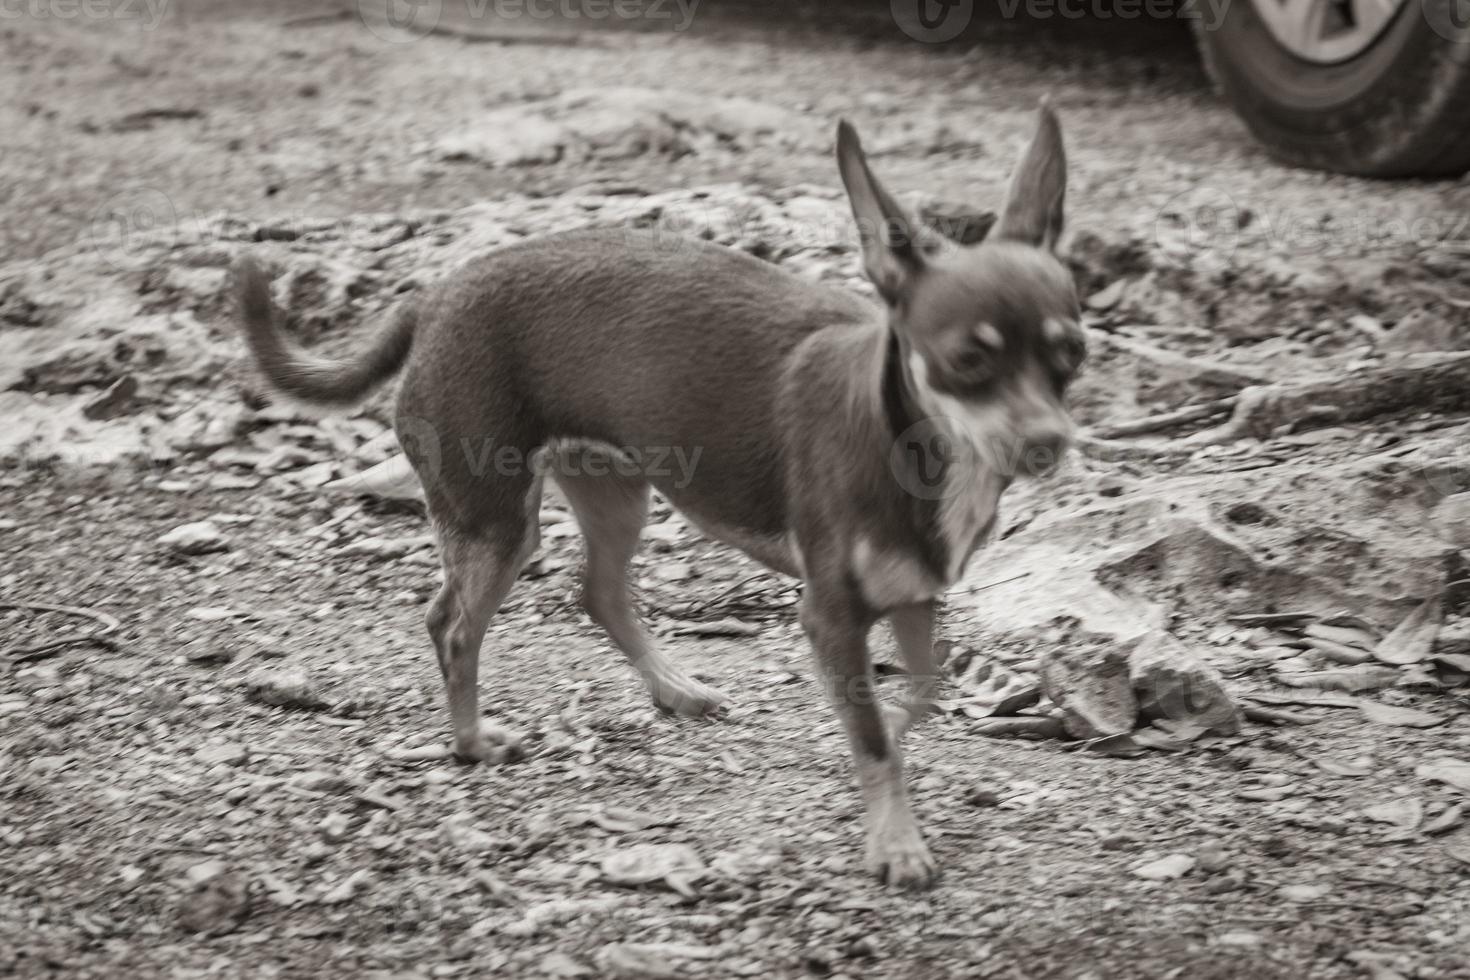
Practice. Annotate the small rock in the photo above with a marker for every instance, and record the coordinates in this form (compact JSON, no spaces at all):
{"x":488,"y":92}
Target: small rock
{"x":226,"y":753}
{"x":348,"y":888}
{"x":1423,"y":332}
{"x":199,"y":538}
{"x":215,"y":905}
{"x":558,"y":964}
{"x":1108,"y":297}
{"x":644,"y":864}
{"x":284,"y":688}
{"x":459,"y":833}
{"x":198,"y":874}
{"x":1171,"y":683}
{"x":1165,"y":868}
{"x":320,"y":781}
{"x":335,"y":827}
{"x":112,"y":402}
{"x":1213,"y":859}
{"x":674,"y":571}
{"x":980,"y":796}
{"x":1303,"y":893}
{"x":1088,"y":680}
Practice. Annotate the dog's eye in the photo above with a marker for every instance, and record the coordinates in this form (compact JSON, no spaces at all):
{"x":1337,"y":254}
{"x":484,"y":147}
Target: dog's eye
{"x":974,"y":363}
{"x":1069,"y":353}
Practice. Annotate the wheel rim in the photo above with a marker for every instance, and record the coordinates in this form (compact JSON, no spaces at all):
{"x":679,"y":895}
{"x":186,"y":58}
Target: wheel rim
{"x":1326,"y":31}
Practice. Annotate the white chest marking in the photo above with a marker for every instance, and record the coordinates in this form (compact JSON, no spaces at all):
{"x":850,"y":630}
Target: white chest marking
{"x":971,"y":498}
{"x":890,"y":579}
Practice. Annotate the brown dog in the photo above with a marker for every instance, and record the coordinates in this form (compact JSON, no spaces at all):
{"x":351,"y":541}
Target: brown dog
{"x":860,"y":447}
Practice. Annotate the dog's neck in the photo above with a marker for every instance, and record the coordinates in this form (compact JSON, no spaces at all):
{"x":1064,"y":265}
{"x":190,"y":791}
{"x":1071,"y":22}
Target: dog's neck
{"x":901,"y":409}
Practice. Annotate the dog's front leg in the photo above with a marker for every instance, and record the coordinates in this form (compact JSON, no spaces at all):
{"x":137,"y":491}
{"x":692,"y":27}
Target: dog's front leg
{"x":913,"y":632}
{"x":837,"y":625}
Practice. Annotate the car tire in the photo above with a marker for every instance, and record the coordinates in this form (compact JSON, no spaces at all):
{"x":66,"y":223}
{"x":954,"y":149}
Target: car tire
{"x":1400,"y":107}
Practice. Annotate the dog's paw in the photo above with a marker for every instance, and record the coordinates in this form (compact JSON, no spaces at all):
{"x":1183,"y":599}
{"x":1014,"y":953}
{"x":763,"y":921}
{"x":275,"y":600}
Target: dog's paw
{"x":492,"y":744}
{"x":900,"y":858}
{"x":679,"y":694}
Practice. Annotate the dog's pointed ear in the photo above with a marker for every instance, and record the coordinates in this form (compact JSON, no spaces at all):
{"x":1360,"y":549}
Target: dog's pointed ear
{"x":1033,"y":208}
{"x":891,"y":252}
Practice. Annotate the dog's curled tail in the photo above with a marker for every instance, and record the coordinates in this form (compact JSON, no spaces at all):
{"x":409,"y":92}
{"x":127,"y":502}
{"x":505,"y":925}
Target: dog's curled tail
{"x":295,"y":372}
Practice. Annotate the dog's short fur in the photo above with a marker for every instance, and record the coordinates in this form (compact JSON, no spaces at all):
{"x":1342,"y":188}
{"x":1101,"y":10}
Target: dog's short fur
{"x":860,"y":447}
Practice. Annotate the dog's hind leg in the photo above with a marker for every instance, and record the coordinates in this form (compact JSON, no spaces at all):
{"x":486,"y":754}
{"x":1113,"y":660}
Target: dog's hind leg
{"x":612,"y":510}
{"x":481,"y":559}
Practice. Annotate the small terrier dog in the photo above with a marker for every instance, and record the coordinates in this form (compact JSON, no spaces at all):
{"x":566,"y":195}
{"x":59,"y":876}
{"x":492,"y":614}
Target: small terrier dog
{"x":860,"y":447}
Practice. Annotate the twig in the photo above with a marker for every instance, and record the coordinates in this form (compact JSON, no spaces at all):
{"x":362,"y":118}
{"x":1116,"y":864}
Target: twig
{"x":109,"y":623}
{"x":709,"y":604}
{"x":547,"y":40}
{"x":317,"y":20}
{"x":1201,"y":369}
{"x":981,"y":588}
{"x":1113,"y":451}
{"x":1442,"y":386}
{"x":1166,"y":420}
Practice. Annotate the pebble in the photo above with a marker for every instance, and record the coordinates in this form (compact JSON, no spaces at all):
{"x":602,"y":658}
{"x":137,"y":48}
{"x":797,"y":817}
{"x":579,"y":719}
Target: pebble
{"x":1165,"y":868}
{"x":226,"y":753}
{"x":199,"y":538}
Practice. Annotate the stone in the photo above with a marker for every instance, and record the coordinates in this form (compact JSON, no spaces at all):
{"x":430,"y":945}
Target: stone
{"x":1087,"y":677}
{"x":113,"y":402}
{"x":1171,"y":683}
{"x":1422,"y":332}
{"x":198,"y":538}
{"x":283,"y":688}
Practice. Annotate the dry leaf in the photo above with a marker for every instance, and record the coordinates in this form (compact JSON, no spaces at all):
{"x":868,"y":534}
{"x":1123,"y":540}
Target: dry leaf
{"x":1165,"y":868}
{"x":991,"y":688}
{"x":718,"y":627}
{"x":1041,"y":725}
{"x":622,"y":820}
{"x":1452,"y":772}
{"x":1345,"y":632}
{"x":1306,"y":700}
{"x":1303,"y":893}
{"x":1384,"y":714}
{"x":1354,"y":768}
{"x":646,"y":864}
{"x":1352,"y":679}
{"x":1447,"y":820}
{"x":1116,"y":746}
{"x":1413,"y":639}
{"x":1459,"y":661}
{"x":1339,"y":652}
{"x":635,"y":963}
{"x":1169,"y":736}
{"x":1406,"y":813}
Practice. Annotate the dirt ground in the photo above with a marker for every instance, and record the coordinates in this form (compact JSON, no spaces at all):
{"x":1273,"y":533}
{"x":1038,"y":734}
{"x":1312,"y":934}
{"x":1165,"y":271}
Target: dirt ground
{"x":162,"y":818}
